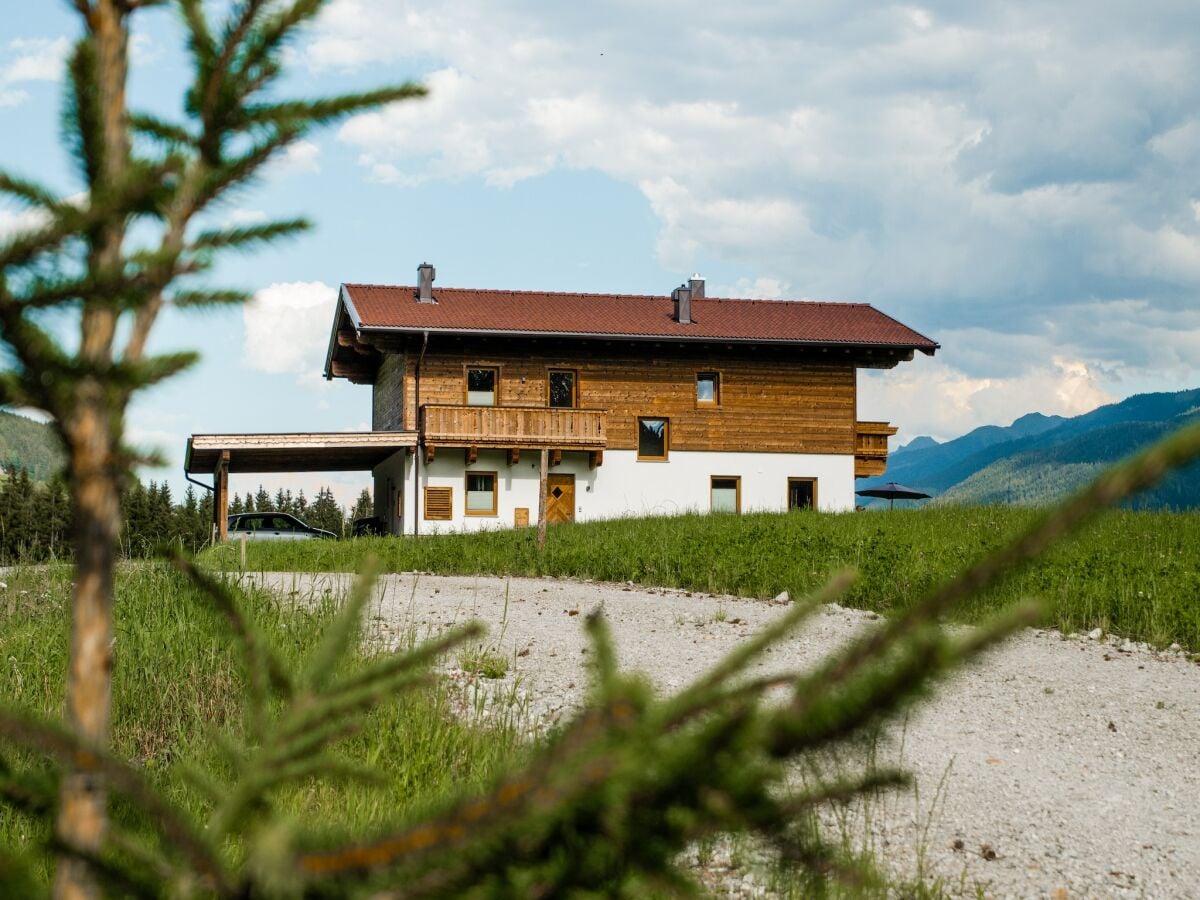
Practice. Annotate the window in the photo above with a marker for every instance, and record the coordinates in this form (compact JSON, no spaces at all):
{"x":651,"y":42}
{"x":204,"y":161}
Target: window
{"x":708,"y":388}
{"x":439,"y":503}
{"x":802,"y":493}
{"x":561,"y":387}
{"x":481,"y":493}
{"x":653,"y":438}
{"x":726,"y":493}
{"x":481,"y":386}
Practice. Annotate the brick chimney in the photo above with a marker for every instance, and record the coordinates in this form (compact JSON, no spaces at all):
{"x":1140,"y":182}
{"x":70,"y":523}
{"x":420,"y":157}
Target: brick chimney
{"x":425,"y":275}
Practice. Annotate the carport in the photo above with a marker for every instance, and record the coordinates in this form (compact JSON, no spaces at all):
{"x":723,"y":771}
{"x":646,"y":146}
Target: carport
{"x":220,"y":454}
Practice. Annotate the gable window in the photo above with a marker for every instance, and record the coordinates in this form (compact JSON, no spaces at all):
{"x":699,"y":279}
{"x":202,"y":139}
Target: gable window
{"x":802,"y":493}
{"x":481,"y":386}
{"x":725,"y":493}
{"x":708,"y":388}
{"x":562,"y":387}
{"x":481,"y":493}
{"x":653,"y":438}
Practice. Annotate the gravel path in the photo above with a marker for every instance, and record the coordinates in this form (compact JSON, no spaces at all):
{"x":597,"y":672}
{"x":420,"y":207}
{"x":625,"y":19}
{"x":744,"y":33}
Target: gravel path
{"x":1075,"y":761}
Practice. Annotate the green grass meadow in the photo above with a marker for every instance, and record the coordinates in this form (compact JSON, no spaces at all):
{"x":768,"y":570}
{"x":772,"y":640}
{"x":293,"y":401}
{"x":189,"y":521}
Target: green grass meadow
{"x":178,"y":683}
{"x":1136,"y":574}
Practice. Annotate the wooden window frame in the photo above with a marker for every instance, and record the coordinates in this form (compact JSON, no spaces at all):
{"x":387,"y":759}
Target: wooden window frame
{"x":666,"y":420}
{"x":449,"y":517}
{"x":717,"y":379}
{"x":737,"y":479}
{"x":474,"y":367}
{"x":574,"y":386}
{"x":495,"y":493}
{"x":812,"y":480}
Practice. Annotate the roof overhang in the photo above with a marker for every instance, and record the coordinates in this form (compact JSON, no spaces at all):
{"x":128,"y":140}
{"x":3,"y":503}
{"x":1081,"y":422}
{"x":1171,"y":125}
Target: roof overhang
{"x":336,"y":451}
{"x":657,"y":338}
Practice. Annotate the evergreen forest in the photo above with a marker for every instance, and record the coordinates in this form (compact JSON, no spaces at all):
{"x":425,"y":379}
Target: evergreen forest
{"x":35,"y":516}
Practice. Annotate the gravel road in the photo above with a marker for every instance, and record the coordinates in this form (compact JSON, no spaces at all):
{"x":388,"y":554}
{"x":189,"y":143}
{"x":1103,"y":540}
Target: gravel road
{"x":1074,"y":761}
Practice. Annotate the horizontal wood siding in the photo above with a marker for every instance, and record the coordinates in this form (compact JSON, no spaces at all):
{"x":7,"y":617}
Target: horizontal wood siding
{"x":771,"y":404}
{"x":510,"y":426}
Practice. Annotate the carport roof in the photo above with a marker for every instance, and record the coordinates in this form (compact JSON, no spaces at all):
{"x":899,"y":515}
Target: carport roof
{"x":337,"y":451}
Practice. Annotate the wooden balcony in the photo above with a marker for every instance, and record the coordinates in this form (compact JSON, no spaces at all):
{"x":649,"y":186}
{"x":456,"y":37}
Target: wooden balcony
{"x":515,"y":428}
{"x":871,"y":448}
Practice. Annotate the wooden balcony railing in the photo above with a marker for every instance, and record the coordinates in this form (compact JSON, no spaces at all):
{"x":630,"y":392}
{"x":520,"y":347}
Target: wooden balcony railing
{"x":514,"y":427}
{"x":871,"y":448}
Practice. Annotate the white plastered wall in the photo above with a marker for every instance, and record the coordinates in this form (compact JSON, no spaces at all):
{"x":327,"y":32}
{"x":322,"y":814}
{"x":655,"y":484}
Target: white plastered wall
{"x":391,"y":483}
{"x":623,"y":486}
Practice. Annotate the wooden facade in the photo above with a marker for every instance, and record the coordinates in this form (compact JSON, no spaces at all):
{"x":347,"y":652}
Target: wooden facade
{"x":871,"y":448}
{"x":767,"y":401}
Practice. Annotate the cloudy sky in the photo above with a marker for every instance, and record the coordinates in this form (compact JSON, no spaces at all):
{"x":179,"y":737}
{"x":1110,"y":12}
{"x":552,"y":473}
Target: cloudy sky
{"x":1019,"y":180}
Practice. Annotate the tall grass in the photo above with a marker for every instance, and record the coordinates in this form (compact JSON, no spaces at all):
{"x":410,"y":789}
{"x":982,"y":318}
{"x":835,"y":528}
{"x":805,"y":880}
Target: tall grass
{"x":178,"y":684}
{"x":1132,"y":573}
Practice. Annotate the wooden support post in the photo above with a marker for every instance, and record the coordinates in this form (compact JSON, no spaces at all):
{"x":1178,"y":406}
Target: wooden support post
{"x":555,"y":457}
{"x":514,"y":456}
{"x":471,"y":455}
{"x":428,"y":454}
{"x":541,"y":538}
{"x":221,"y":497}
{"x":595,"y":458}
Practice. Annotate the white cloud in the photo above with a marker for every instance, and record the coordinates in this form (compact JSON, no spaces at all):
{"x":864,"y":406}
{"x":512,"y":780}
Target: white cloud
{"x":931,"y":397}
{"x":143,"y":51}
{"x":300,"y":158}
{"x":36,"y":59}
{"x":238,"y":218}
{"x":1008,"y":173}
{"x":287,"y":327}
{"x":11,"y":97}
{"x":14,"y":223}
{"x":30,"y":59}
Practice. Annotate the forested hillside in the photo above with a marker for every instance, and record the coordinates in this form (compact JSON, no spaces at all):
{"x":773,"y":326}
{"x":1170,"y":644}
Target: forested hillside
{"x":30,"y":445}
{"x":1039,"y":458}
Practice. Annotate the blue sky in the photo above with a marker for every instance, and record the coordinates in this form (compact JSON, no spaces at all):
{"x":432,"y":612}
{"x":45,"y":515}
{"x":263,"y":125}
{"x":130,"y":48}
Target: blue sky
{"x":1021,"y":181}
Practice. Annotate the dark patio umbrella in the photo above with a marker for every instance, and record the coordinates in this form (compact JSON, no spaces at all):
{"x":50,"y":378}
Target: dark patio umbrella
{"x":892,"y":492}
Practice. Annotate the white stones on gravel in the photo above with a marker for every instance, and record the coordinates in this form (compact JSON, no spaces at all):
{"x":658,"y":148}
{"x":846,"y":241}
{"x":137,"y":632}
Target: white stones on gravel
{"x":1018,"y":742}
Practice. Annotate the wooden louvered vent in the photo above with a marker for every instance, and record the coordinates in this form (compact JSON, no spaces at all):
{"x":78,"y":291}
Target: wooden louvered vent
{"x":438,"y":502}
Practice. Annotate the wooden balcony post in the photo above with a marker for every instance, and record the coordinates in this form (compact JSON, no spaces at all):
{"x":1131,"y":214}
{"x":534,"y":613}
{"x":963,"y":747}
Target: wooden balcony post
{"x":221,"y":498}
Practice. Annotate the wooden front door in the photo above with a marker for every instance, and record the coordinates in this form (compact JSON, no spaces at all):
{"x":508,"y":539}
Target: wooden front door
{"x":560,"y":498}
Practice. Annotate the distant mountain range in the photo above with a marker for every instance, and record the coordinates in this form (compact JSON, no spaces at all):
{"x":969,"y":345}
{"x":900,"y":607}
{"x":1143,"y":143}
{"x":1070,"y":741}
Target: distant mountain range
{"x":1039,"y":458}
{"x":32,"y":445}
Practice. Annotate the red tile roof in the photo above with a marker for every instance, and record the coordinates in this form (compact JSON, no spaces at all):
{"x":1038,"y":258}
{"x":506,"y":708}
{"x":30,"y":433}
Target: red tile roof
{"x":627,"y":316}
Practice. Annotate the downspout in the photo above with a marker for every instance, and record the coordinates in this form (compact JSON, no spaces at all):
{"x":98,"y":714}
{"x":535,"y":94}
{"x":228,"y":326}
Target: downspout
{"x":420,"y":442}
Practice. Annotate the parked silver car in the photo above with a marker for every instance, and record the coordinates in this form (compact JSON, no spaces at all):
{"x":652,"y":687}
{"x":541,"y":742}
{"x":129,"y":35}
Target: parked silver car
{"x":273,"y":526}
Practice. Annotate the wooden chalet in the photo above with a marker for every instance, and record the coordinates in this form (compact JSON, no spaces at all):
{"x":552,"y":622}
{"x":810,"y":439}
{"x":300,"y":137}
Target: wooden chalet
{"x":496,"y":408}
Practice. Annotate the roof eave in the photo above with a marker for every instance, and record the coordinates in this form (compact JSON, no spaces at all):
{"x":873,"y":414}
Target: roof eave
{"x":620,"y":336}
{"x":344,"y":301}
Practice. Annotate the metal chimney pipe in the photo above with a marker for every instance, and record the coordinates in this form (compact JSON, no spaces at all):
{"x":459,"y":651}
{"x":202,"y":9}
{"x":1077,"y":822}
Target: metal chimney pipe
{"x":425,"y":275}
{"x":696,"y":283}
